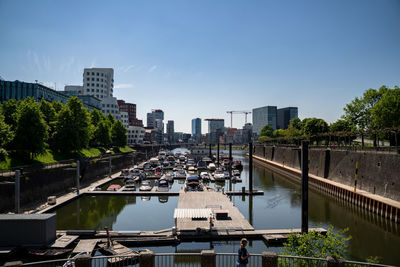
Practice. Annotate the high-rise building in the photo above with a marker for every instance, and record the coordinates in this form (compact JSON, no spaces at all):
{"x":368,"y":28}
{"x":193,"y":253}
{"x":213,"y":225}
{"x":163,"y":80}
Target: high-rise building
{"x":170,"y":131}
{"x":264,"y":116}
{"x":129,"y":108}
{"x":284,"y":115}
{"x":196,"y":127}
{"x":153,"y":116}
{"x":98,"y":82}
{"x":216,"y":129}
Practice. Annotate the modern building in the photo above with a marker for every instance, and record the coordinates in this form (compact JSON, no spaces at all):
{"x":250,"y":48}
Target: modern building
{"x":91,"y":101}
{"x":196,"y":127}
{"x":98,"y":82}
{"x":170,"y":131}
{"x":284,"y":115}
{"x":124,"y":118}
{"x":153,"y":116}
{"x":264,"y":116}
{"x":129,"y":108}
{"x":20,"y":90}
{"x":135,"y":134}
{"x":215,"y":130}
{"x":110,"y":105}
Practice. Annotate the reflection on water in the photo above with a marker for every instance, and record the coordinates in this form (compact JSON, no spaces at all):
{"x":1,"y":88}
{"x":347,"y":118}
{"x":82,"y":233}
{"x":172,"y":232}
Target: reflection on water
{"x":278,"y":208}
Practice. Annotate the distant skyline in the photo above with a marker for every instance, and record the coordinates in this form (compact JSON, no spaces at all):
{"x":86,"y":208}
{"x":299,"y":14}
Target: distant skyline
{"x":202,"y":58}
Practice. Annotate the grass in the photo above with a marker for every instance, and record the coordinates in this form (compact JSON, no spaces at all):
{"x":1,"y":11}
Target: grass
{"x":14,"y":159}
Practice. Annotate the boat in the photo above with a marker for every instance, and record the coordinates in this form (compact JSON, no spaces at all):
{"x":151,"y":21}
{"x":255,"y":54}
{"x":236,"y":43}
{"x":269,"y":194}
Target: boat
{"x":226,"y":162}
{"x":227,"y":175}
{"x":219,"y":175}
{"x":129,"y":186}
{"x":190,"y":163}
{"x":162,"y":185}
{"x":147,"y":167}
{"x":114,"y":187}
{"x":180,"y":174}
{"x":193,"y":183}
{"x":192,"y":169}
{"x":207,"y":160}
{"x":97,"y":188}
{"x":154,"y":162}
{"x":201,"y":165}
{"x":237,"y":164}
{"x":205,"y":176}
{"x":211,"y":167}
{"x":124,"y":173}
{"x":169,"y":176}
{"x":166,"y":165}
{"x":145,"y":186}
{"x":236,"y":173}
{"x":236,"y":179}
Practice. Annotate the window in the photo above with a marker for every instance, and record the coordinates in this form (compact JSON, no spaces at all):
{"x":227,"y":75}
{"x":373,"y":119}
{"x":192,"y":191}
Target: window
{"x":97,"y":85}
{"x":104,"y":105}
{"x":88,"y":84}
{"x":102,"y":75}
{"x":88,"y":73}
{"x":101,"y":79}
{"x":88,"y":79}
{"x":97,"y":90}
{"x":92,"y":79}
{"x":97,"y":79}
{"x":97,"y":74}
{"x":92,"y":84}
{"x":108,"y":105}
{"x":93,"y":73}
{"x":92,"y":90}
{"x":97,"y":95}
{"x":101,"y":86}
{"x":88,"y":90}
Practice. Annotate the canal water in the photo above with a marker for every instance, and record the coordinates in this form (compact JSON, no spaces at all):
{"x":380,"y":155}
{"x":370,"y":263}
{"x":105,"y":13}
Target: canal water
{"x":278,"y":208}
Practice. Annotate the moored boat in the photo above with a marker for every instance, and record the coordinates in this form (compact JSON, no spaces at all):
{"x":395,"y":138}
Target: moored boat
{"x":145,"y":186}
{"x":114,"y":187}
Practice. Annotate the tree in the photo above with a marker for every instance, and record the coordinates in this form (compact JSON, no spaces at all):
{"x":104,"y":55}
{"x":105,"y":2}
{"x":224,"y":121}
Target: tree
{"x":6,"y":135}
{"x":295,"y":123}
{"x":95,"y":117}
{"x":267,"y":130}
{"x":315,"y":244}
{"x":57,"y":105}
{"x":102,"y":134}
{"x":73,"y":127}
{"x":279,"y":133}
{"x":118,"y":134}
{"x":31,"y":132}
{"x":110,"y":119}
{"x":10,"y":109}
{"x":314,"y":126}
{"x":340,"y":126}
{"x":50,"y":116}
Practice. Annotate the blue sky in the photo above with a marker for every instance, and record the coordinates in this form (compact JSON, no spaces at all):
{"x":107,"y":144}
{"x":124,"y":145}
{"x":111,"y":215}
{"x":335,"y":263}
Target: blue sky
{"x":202,"y":58}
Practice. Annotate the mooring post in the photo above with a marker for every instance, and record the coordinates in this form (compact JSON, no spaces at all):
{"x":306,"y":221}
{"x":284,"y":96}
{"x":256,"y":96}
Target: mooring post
{"x":230,"y":152}
{"x":17,"y":191}
{"x":210,"y":152}
{"x":109,"y":166}
{"x":77,"y":176}
{"x":250,"y":167}
{"x":218,"y":154}
{"x":304,"y":186}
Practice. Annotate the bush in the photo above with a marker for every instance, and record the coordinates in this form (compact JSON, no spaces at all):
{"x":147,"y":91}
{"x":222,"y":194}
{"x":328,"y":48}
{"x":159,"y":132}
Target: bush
{"x":3,"y":154}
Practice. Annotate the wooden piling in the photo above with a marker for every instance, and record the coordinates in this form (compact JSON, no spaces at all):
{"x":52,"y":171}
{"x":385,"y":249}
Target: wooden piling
{"x":304,"y":187}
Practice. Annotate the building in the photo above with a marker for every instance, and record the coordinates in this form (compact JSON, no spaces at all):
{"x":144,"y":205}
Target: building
{"x":170,"y":132}
{"x":196,"y":127}
{"x":110,"y":105}
{"x":98,"y":82}
{"x":135,"y":134}
{"x":153,"y":116}
{"x":124,"y":118}
{"x":215,"y":130}
{"x":284,"y":115}
{"x":264,"y":116}
{"x":20,"y":90}
{"x":91,"y":101}
{"x":129,"y":108}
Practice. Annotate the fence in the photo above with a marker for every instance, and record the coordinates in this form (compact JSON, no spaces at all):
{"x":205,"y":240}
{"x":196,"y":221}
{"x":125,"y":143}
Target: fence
{"x":207,"y":258}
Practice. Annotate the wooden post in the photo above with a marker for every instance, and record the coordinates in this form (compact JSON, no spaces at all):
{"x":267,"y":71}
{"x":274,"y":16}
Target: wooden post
{"x":218,"y":154}
{"x":304,"y":186}
{"x":17,"y":191}
{"x":208,"y":258}
{"x":250,"y":168}
{"x":230,"y":152}
{"x":147,"y":259}
{"x":109,"y":165}
{"x":269,"y":259}
{"x":77,"y":177}
{"x":209,"y":152}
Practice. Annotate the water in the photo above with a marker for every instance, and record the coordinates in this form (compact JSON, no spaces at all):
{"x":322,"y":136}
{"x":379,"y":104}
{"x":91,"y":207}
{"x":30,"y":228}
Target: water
{"x":279,"y":207}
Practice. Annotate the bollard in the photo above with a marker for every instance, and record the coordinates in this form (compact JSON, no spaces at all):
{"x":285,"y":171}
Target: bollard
{"x":332,"y":262}
{"x":83,"y":261}
{"x":109,"y":165}
{"x":250,"y":168}
{"x":269,"y":259}
{"x":146,"y":259}
{"x":77,"y":177}
{"x":243,"y":190}
{"x":208,"y":258}
{"x":304,"y":186}
{"x":17,"y":191}
{"x":230,"y":153}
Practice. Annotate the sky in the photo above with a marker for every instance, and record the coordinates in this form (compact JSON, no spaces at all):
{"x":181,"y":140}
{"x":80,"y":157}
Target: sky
{"x":203,"y":58}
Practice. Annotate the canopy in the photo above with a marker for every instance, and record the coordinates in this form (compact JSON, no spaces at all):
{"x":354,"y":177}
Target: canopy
{"x":192,"y":213}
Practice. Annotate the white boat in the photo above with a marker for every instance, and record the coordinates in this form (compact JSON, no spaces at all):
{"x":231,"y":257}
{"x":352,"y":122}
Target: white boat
{"x":162,"y":185}
{"x":129,"y":186}
{"x":180,"y":173}
{"x":205,"y":176}
{"x":219,"y":175}
{"x":192,"y":169}
{"x":145,"y":186}
{"x":154,"y":162}
{"x":236,"y":179}
{"x":193,"y":183}
{"x":169,"y":176}
{"x":236,"y":173}
{"x":227,"y":175}
{"x":211,"y":167}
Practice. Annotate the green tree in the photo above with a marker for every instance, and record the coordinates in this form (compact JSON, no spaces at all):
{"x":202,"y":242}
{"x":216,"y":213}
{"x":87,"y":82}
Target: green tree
{"x":57,"y":105}
{"x":73,"y":127}
{"x":118,"y":134}
{"x":110,"y":119}
{"x":6,"y":135}
{"x":295,"y":123}
{"x":314,"y":126}
{"x":102,"y":134}
{"x":10,"y":109}
{"x":95,"y":117}
{"x":340,"y":126}
{"x":386,"y":112}
{"x":279,"y":133}
{"x":267,"y":130}
{"x":31,"y":132}
{"x":50,"y":116}
{"x":315,"y":244}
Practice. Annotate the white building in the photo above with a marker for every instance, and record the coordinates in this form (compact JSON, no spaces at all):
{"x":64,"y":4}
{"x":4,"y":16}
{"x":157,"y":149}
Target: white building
{"x":98,"y":82}
{"x":124,"y":118}
{"x":135,"y":134}
{"x":75,"y":88}
{"x":110,"y":105}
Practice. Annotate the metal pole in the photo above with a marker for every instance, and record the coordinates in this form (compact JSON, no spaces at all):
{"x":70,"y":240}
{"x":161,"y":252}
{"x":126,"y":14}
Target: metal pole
{"x":17,"y":191}
{"x":250,"y":167}
{"x":77,"y":177}
{"x":209,"y":152}
{"x":230,"y":152}
{"x":304,"y":186}
{"x":218,"y":154}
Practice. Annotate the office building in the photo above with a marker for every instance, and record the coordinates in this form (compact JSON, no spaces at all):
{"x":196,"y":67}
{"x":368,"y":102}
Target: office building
{"x":170,"y":132}
{"x":20,"y":90}
{"x":156,"y":114}
{"x":264,"y":116}
{"x":216,"y":129}
{"x":196,"y":127}
{"x":284,"y":115}
{"x":135,"y":134}
{"x":131,"y":110}
{"x":98,"y":82}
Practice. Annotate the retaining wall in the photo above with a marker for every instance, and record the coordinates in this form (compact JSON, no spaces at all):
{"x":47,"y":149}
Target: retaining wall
{"x":378,"y":172}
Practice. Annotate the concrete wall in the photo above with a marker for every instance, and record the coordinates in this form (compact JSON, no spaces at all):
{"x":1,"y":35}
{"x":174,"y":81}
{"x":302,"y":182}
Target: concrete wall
{"x":37,"y":184}
{"x":378,"y":172}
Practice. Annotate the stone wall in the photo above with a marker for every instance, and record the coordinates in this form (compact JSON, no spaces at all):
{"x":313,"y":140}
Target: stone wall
{"x":378,"y":172}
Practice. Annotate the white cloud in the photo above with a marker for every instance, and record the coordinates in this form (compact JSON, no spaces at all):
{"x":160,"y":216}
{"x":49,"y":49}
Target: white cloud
{"x":123,"y":86}
{"x":153,"y":68}
{"x":126,"y":68}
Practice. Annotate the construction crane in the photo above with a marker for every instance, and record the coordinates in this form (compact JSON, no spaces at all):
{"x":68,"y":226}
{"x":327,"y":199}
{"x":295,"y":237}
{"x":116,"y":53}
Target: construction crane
{"x":245,"y":112}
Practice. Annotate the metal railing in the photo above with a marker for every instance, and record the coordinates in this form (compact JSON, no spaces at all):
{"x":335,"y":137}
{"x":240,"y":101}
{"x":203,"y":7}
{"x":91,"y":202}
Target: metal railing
{"x":194,"y":260}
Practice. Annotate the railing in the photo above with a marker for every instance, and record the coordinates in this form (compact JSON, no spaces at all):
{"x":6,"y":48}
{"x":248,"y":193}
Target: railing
{"x":195,"y":260}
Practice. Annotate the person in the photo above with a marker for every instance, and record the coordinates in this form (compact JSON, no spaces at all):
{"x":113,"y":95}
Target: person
{"x":243,"y":254}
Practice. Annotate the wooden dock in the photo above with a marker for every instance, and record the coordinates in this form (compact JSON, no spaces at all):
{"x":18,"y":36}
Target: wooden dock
{"x":214,"y":201}
{"x":85,"y":245}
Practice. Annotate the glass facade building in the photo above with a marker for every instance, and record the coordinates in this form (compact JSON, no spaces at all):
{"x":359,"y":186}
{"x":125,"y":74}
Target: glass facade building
{"x":264,"y":116}
{"x":196,"y":127}
{"x":284,"y":116}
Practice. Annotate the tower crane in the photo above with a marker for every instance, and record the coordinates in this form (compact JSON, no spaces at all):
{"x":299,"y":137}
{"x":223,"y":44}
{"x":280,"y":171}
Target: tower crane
{"x":245,"y":112}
